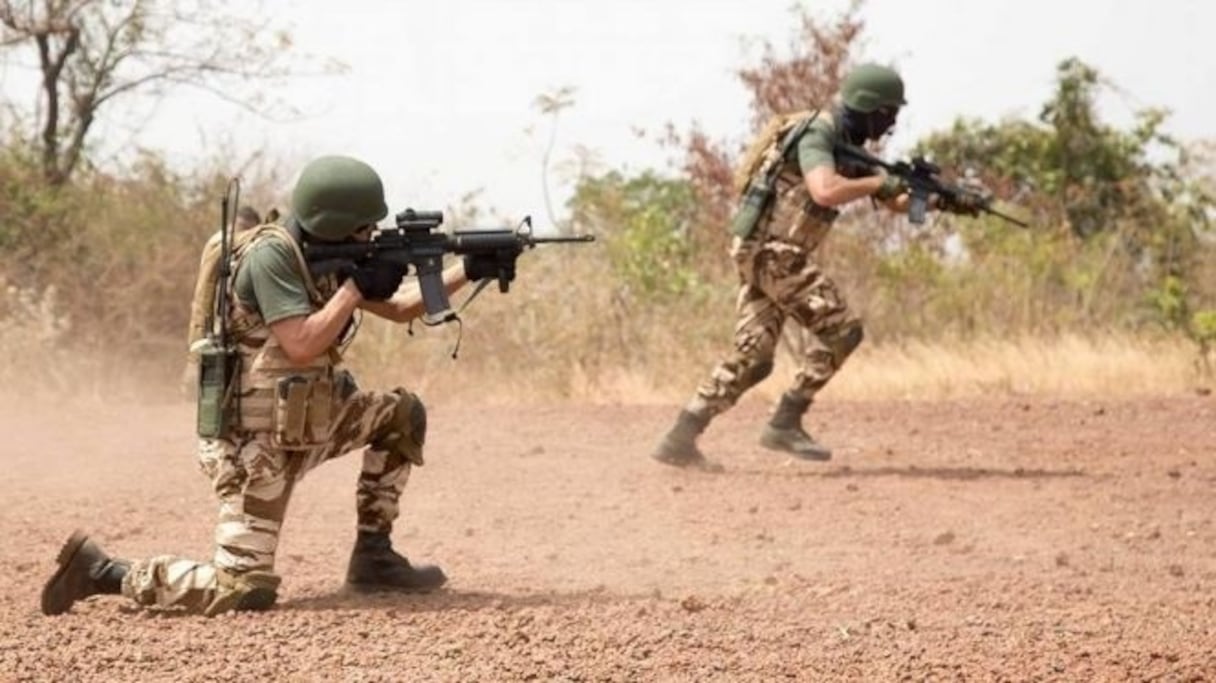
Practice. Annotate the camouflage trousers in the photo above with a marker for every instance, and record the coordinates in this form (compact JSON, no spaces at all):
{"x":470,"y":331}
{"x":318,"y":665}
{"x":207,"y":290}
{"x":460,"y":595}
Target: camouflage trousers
{"x":253,"y":481}
{"x":780,"y":282}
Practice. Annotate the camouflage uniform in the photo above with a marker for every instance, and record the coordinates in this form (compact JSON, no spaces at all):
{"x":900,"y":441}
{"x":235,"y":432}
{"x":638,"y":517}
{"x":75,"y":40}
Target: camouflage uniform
{"x":253,"y":481}
{"x":779,"y":279}
{"x":778,"y":228}
{"x":281,"y":417}
{"x":254,"y":470}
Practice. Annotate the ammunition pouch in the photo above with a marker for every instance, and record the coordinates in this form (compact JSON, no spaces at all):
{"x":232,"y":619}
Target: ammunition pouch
{"x":303,"y":411}
{"x":296,"y":409}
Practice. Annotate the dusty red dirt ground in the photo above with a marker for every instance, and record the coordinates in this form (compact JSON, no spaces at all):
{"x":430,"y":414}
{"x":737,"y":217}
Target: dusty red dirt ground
{"x":1013,"y":539}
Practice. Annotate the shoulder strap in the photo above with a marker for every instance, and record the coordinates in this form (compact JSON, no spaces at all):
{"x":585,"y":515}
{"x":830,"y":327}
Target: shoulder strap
{"x":791,"y":139}
{"x":274,"y":231}
{"x":773,"y":162}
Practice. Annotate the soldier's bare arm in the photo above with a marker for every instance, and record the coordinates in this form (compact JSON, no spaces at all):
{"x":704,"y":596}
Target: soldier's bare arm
{"x":305,"y":337}
{"x":829,"y":188}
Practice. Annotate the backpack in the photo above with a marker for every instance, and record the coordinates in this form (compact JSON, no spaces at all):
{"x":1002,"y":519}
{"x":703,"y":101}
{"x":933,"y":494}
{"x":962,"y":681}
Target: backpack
{"x":203,"y":303}
{"x":765,"y":146}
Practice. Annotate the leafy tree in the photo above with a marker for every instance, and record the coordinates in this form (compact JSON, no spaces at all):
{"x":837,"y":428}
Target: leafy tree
{"x":1089,"y":174}
{"x":644,"y":222}
{"x":1135,"y":200}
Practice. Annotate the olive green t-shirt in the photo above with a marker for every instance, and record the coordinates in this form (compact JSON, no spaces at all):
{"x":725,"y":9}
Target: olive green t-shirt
{"x":269,"y":281}
{"x":817,"y":144}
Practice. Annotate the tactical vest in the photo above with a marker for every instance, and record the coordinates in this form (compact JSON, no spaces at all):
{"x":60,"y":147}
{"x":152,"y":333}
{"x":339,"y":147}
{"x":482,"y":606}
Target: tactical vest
{"x":295,"y":405}
{"x":793,"y":217}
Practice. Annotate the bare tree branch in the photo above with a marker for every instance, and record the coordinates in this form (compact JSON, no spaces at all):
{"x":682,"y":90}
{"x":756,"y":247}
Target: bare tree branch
{"x":53,"y":59}
{"x":93,"y":52}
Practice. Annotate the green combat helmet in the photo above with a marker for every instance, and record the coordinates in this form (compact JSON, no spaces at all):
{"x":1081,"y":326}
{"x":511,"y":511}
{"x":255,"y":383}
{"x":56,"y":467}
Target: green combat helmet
{"x":870,"y":86}
{"x":336,"y":195}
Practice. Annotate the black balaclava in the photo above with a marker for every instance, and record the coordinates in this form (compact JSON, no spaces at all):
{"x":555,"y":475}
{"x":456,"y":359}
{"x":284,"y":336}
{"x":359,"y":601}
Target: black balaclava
{"x":861,"y":126}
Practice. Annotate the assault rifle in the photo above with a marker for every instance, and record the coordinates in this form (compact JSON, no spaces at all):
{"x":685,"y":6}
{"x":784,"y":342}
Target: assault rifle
{"x":924,"y":179}
{"x":416,"y":244}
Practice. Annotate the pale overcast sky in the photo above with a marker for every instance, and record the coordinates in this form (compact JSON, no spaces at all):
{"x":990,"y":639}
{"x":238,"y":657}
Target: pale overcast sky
{"x":439,"y":94}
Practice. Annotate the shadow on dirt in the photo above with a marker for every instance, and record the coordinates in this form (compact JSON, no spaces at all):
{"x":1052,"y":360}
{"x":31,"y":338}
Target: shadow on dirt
{"x":438,"y":601}
{"x":450,"y":600}
{"x":914,"y":472}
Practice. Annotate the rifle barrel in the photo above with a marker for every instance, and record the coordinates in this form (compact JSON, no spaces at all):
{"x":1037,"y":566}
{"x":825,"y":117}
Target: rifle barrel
{"x":1007,"y":217}
{"x":564,"y":238}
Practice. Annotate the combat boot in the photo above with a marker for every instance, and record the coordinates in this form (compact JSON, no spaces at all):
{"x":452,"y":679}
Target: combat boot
{"x":375,"y":566}
{"x":679,"y":446}
{"x":84,"y":570}
{"x":784,"y":431}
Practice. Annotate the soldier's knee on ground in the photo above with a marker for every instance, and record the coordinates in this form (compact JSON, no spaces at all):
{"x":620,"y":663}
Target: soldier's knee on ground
{"x":253,"y":591}
{"x":405,"y":432}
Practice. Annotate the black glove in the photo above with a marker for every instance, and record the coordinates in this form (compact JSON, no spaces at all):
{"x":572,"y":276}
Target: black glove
{"x":482,"y":266}
{"x":378,"y":280}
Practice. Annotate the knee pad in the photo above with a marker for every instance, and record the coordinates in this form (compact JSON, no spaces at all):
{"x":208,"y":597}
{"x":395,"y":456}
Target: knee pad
{"x":847,"y":339}
{"x":345,"y":385}
{"x":405,"y":432}
{"x":756,"y":372}
{"x":410,"y":416}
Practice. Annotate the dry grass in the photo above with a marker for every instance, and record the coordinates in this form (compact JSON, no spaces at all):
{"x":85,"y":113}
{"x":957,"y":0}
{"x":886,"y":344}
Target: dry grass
{"x":532,"y":346}
{"x":546,"y":342}
{"x":1068,"y":365}
{"x":570,"y":331}
{"x":1073,"y":366}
